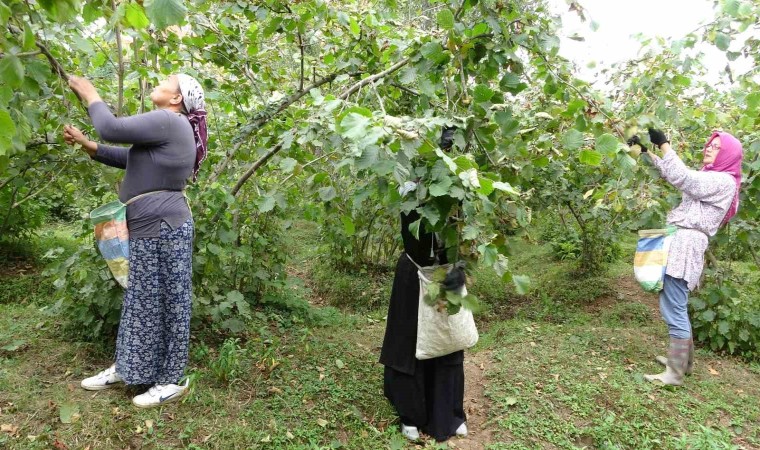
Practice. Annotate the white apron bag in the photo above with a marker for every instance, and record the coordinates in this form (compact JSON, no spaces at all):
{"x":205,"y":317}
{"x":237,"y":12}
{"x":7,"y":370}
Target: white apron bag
{"x":439,"y":333}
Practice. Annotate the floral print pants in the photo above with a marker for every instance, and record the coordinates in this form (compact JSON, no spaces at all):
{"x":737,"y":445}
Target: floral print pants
{"x":154,"y":332}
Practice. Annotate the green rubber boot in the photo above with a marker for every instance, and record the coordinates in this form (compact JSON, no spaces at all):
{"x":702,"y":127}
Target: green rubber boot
{"x":678,"y":361}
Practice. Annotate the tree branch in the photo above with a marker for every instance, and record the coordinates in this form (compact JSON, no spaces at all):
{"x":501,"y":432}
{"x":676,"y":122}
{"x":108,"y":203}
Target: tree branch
{"x":254,"y":167}
{"x":577,"y":217}
{"x":55,"y":66}
{"x":120,"y":59}
{"x":262,"y":119}
{"x":308,"y":164}
{"x":34,"y":194}
{"x":300,"y":45}
{"x":374,"y":77}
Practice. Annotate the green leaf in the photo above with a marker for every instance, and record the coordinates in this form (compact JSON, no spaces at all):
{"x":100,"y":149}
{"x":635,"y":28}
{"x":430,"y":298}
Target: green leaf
{"x":606,"y":144}
{"x":238,"y":299}
{"x":470,"y":232}
{"x":163,"y":13}
{"x":441,"y":187}
{"x":5,"y":13}
{"x":265,"y":203}
{"x":29,"y":39}
{"x":731,"y":7}
{"x":408,"y":75}
{"x":348,"y":226}
{"x":753,"y":101}
{"x":356,"y":30}
{"x":61,"y":10}
{"x":481,"y":28}
{"x":502,"y":266}
{"x":68,"y":412}
{"x":680,"y":80}
{"x":13,"y":346}
{"x":490,"y":254}
{"x":11,"y":71}
{"x":522,"y":283}
{"x":234,"y":324}
{"x":414,"y":228}
{"x":430,"y":213}
{"x":590,"y":157}
{"x":723,"y":327}
{"x":327,"y":193}
{"x":453,"y":298}
{"x":505,"y":187}
{"x":708,"y":315}
{"x":482,"y":93}
{"x":433,"y":291}
{"x":572,"y":140}
{"x":486,"y":186}
{"x":722,"y":41}
{"x":135,"y":15}
{"x":288,"y":164}
{"x":433,"y":51}
{"x":446,"y":19}
{"x":511,"y":83}
{"x":354,"y":126}
{"x":7,"y":131}
{"x":368,"y":157}
{"x":470,"y":302}
{"x":82,"y":44}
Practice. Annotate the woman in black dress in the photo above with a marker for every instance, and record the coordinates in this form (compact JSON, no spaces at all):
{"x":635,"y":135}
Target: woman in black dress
{"x":428,"y":395}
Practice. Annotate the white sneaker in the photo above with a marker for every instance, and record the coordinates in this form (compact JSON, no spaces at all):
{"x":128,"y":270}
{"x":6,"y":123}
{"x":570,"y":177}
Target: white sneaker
{"x":160,"y":394}
{"x":462,"y":430}
{"x":410,"y":432}
{"x":104,"y":380}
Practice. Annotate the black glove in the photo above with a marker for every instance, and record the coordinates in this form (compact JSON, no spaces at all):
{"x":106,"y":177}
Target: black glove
{"x":455,"y":277}
{"x":447,"y":138}
{"x":635,"y":140}
{"x":657,"y":137}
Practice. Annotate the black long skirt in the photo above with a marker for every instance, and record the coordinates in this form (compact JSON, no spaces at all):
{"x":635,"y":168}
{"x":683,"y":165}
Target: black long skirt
{"x":428,"y":394}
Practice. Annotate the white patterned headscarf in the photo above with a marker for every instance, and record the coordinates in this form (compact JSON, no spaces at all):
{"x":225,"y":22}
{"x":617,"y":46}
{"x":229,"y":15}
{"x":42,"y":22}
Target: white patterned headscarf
{"x":195,"y":104}
{"x":192,"y":93}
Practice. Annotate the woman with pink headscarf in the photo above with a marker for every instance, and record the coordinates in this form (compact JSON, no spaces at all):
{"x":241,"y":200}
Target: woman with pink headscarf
{"x":710,"y":198}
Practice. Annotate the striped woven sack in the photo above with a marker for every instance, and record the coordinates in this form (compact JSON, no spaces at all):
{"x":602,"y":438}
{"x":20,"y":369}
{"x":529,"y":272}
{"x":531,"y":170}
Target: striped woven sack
{"x":112,"y":236}
{"x":651,"y":258}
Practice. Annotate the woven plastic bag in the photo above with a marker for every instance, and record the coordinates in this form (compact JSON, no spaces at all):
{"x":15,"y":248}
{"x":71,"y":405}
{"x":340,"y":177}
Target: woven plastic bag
{"x":651,"y":258}
{"x":112,"y":237}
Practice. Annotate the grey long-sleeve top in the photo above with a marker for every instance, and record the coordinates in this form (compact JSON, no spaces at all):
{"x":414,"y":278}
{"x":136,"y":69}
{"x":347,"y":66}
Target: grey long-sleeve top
{"x":706,"y":197}
{"x":161,"y":157}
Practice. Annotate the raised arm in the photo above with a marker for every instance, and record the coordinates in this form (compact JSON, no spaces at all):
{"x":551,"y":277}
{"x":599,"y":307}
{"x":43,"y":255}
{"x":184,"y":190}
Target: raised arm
{"x":109,"y":155}
{"x":145,"y":128}
{"x":705,"y":186}
{"x":148,"y":128}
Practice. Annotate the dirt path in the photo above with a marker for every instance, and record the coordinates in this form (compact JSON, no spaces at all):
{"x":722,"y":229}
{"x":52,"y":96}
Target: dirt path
{"x":476,"y":404}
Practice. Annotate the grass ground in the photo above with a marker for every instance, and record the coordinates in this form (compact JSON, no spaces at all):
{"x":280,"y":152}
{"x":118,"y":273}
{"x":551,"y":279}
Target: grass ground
{"x":561,"y":368}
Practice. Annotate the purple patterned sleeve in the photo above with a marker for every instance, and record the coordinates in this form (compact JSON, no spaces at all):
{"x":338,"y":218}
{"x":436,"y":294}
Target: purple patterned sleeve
{"x":709,"y":187}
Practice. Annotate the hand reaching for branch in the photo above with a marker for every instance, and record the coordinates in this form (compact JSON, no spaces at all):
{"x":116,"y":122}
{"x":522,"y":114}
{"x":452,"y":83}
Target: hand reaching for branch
{"x":84,"y":88}
{"x":72,"y":135}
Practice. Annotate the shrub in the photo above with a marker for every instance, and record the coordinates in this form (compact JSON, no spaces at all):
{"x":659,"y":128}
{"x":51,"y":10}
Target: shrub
{"x":726,"y":315}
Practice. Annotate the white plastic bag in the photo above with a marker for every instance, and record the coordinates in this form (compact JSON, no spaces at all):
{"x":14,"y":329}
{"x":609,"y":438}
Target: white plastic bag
{"x":439,"y":333}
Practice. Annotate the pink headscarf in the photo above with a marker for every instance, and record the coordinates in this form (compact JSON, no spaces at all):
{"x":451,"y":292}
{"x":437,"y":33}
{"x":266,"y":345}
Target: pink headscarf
{"x":729,"y":160}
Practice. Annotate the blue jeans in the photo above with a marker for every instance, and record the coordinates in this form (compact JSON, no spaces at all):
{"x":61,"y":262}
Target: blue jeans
{"x":674,"y":299}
